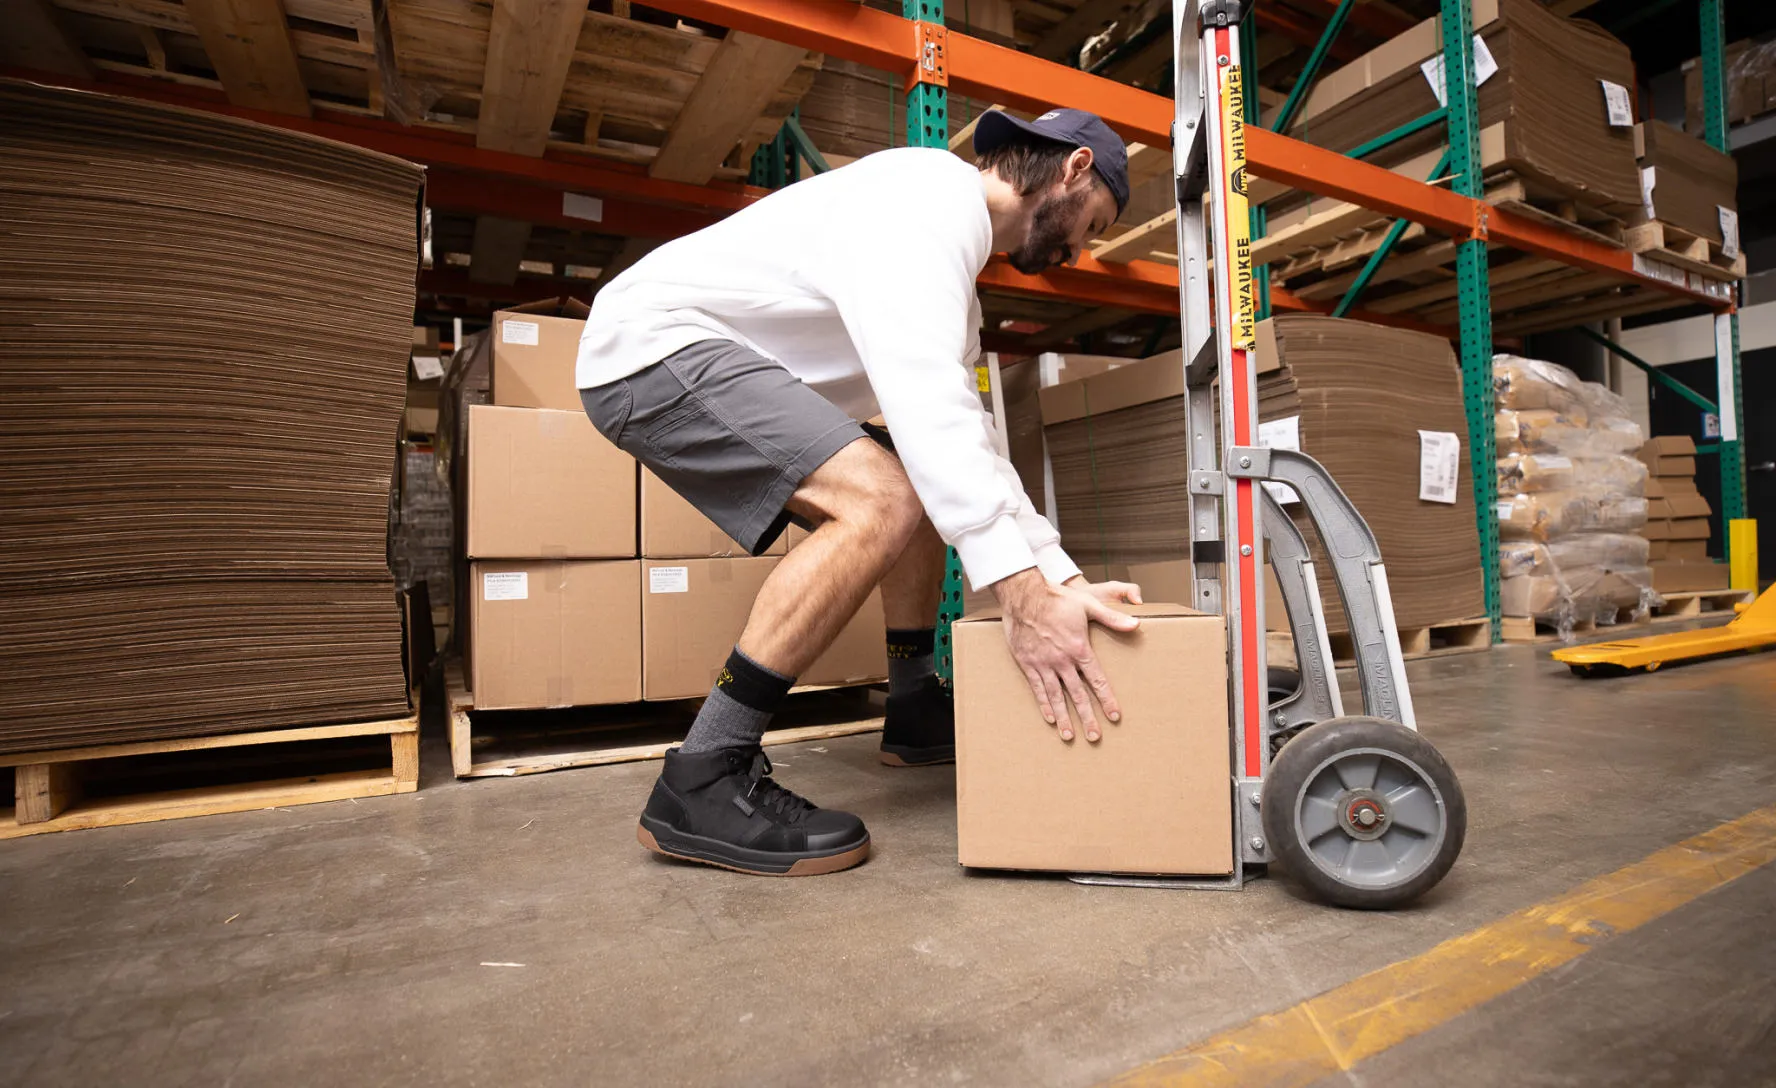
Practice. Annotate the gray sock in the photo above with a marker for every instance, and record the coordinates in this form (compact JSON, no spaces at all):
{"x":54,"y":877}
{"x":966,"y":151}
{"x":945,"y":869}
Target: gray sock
{"x":911,"y":658}
{"x":739,"y":707}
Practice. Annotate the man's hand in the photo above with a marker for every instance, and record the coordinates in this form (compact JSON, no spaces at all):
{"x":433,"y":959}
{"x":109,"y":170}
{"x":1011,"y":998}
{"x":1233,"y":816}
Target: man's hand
{"x":1107,"y":592}
{"x":1047,"y":628}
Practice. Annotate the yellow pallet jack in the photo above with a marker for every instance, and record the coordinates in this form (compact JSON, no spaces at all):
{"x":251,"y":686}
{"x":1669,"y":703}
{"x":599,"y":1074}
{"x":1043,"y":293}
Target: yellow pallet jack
{"x":1752,"y":630}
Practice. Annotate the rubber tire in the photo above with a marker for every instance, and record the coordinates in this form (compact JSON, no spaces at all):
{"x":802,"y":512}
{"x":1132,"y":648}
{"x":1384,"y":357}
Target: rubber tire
{"x":1312,"y":747}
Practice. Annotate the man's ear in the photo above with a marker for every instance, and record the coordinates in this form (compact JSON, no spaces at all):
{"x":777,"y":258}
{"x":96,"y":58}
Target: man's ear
{"x":1079,"y":165}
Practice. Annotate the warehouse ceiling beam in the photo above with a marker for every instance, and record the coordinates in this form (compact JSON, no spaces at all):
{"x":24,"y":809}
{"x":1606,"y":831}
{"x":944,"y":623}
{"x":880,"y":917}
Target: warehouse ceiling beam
{"x":1087,"y":19}
{"x":530,"y":46}
{"x":453,"y":283}
{"x":734,"y":91}
{"x":462,"y":192}
{"x":248,"y":43}
{"x":36,"y":38}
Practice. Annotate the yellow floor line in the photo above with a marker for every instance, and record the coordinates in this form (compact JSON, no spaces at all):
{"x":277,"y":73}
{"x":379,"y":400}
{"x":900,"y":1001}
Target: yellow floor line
{"x":1366,"y":1016}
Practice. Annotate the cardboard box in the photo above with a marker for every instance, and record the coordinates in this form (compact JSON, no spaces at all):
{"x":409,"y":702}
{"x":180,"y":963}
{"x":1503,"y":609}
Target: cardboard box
{"x":1688,"y":503}
{"x":425,"y":337}
{"x":1685,"y":576}
{"x":417,"y":422}
{"x":1151,"y":797}
{"x":1657,"y":530}
{"x":1686,"y":551}
{"x":1687,"y":529}
{"x":1139,"y":381}
{"x":1668,"y":445}
{"x":544,"y":484}
{"x":535,"y":348}
{"x":555,"y":633}
{"x":1658,"y":549}
{"x":1658,"y":509}
{"x":693,"y":611}
{"x":1670,"y":466}
{"x":671,"y":528}
{"x":1655,"y":488}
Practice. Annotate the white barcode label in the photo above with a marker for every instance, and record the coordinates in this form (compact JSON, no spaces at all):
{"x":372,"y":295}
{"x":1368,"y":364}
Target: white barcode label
{"x":519,"y":332}
{"x":1729,"y":224}
{"x":1439,"y":464}
{"x":427,"y":367}
{"x":1504,"y":510}
{"x":505,"y":585}
{"x":669,"y":580}
{"x":1484,"y":68}
{"x":578,"y":206}
{"x":1648,"y":179}
{"x":1616,"y":103}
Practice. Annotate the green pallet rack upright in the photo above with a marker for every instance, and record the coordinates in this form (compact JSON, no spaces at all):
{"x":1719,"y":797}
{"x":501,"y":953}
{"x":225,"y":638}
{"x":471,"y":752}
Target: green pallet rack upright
{"x":1726,"y":329}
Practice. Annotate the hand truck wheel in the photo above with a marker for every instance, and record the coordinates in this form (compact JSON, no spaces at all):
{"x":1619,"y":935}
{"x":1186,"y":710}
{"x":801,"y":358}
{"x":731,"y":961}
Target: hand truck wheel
{"x":1364,"y":812}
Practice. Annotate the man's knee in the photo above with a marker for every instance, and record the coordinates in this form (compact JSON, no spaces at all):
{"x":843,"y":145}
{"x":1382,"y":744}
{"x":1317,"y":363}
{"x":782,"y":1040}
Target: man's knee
{"x":866,"y":486}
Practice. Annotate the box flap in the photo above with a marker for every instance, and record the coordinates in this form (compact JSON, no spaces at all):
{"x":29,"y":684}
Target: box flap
{"x":550,"y":307}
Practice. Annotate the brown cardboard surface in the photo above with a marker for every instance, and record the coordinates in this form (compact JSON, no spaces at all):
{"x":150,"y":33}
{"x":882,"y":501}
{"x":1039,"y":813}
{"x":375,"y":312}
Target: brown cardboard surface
{"x":1691,"y":181}
{"x":1668,"y":445}
{"x":671,"y":528}
{"x":1686,"y":551}
{"x":206,"y":355}
{"x":1658,"y":549}
{"x":1027,"y":800}
{"x":1687,"y":529}
{"x":1688,"y":503}
{"x":1658,"y":509}
{"x":544,"y":484}
{"x":425,"y":336}
{"x":693,"y":611}
{"x":1137,"y":382}
{"x":1679,"y":577}
{"x":1671,"y":466}
{"x":557,"y":633}
{"x":1655,"y":488}
{"x":535,"y":347}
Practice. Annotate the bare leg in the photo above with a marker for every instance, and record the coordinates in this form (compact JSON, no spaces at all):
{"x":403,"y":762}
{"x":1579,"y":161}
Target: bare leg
{"x":913,"y":588}
{"x":864,"y":512}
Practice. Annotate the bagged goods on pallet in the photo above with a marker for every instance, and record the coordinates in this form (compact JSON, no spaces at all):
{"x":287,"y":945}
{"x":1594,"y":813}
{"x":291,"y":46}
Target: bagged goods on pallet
{"x":196,"y":493}
{"x":1541,"y":80}
{"x":1571,"y":499}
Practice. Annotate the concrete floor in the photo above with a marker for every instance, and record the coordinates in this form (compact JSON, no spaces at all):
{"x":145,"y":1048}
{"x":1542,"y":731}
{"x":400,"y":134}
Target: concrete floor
{"x":352,"y":943}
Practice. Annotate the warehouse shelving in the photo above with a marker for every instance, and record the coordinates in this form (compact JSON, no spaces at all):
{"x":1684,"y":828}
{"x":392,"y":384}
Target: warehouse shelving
{"x":540,"y":188}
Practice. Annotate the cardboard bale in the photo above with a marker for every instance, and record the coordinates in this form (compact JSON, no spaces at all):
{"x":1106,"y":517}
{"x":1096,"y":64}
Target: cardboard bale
{"x":671,"y":528}
{"x":1686,"y":181}
{"x":1689,"y":576}
{"x":693,"y":611}
{"x":1027,"y":800}
{"x":535,"y":348}
{"x":1546,"y":95}
{"x":200,"y":439}
{"x":544,"y":484}
{"x":1750,"y":79}
{"x":555,"y":633}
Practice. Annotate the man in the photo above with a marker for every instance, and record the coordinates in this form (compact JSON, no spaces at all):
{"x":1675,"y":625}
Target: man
{"x":736,"y":362}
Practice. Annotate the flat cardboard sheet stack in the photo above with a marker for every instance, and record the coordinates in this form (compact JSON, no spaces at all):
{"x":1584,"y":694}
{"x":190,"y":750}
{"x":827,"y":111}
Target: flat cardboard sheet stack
{"x":1353,"y":395}
{"x":206,"y":328}
{"x":1546,"y":92}
{"x":1677,"y":528}
{"x":1685,"y":182}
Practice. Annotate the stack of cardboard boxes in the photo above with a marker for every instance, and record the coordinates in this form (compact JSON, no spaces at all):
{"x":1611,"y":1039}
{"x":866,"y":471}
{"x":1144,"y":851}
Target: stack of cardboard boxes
{"x":1677,"y":519}
{"x":425,"y":371}
{"x":590,"y":580}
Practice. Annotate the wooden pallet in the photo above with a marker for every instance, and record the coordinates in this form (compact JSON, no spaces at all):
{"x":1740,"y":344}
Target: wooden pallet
{"x":503,"y":743}
{"x":1689,"y":605}
{"x":1431,"y":640}
{"x":1690,"y":252}
{"x":74,"y":788}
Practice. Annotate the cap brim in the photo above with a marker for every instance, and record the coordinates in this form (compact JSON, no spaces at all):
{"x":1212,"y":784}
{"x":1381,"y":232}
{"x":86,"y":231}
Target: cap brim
{"x":995,"y":128}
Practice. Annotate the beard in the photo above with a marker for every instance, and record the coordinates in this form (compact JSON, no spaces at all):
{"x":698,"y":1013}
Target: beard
{"x":1050,"y":227}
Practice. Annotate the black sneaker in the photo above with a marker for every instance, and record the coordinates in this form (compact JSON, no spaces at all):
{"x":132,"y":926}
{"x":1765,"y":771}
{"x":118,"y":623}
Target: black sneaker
{"x":919,"y":728}
{"x":722,"y":808}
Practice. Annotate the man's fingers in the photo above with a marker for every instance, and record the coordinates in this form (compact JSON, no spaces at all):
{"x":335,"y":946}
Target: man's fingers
{"x":1100,"y":685}
{"x":1082,"y":703}
{"x":1123,"y":591}
{"x":1101,"y":613}
{"x":1038,"y":689}
{"x":1057,"y":698}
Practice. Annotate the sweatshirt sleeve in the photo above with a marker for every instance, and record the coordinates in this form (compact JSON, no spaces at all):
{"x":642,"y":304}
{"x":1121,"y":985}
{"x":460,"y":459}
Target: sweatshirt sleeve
{"x":900,"y":267}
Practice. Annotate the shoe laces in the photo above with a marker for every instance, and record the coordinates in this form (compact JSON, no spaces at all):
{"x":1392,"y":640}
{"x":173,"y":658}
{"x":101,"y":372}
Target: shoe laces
{"x":763,"y":792}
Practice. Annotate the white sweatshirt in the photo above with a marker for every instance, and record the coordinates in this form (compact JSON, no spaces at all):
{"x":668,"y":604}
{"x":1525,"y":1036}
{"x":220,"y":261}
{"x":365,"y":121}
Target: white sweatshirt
{"x":860,"y":282}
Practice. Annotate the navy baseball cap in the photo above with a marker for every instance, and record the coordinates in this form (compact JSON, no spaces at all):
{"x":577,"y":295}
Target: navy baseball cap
{"x":1074,"y":128}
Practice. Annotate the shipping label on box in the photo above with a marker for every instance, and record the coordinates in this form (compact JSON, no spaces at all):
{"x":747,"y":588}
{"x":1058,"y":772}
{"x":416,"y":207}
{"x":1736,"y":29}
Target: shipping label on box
{"x":535,"y":351}
{"x":1025,"y":799}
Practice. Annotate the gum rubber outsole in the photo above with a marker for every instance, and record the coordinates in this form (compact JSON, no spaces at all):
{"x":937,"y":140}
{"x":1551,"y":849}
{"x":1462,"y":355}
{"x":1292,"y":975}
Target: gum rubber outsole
{"x":831,"y":863}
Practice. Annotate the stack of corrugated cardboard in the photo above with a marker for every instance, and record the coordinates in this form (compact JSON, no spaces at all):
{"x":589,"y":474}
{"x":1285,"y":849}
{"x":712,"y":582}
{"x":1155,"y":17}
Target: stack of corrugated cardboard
{"x":205,"y":341}
{"x":1358,"y":397}
{"x":1750,"y":80}
{"x":1685,"y":182}
{"x":1545,"y":84}
{"x":1677,"y":528}
{"x":590,"y":581}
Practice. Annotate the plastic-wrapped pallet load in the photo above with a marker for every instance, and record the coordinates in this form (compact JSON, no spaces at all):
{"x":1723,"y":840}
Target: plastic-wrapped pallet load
{"x":1571,"y":498}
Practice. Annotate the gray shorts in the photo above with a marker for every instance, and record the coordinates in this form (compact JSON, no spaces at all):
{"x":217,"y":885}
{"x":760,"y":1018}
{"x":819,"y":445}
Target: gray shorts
{"x":730,"y":430}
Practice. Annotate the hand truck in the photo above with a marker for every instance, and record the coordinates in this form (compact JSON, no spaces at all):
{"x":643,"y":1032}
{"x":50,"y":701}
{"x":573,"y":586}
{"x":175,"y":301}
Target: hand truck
{"x":1362,"y":810}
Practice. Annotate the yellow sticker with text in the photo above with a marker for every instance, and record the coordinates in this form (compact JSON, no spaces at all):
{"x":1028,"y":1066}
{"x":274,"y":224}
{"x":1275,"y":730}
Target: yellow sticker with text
{"x":983,"y":379}
{"x":1239,"y":219}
